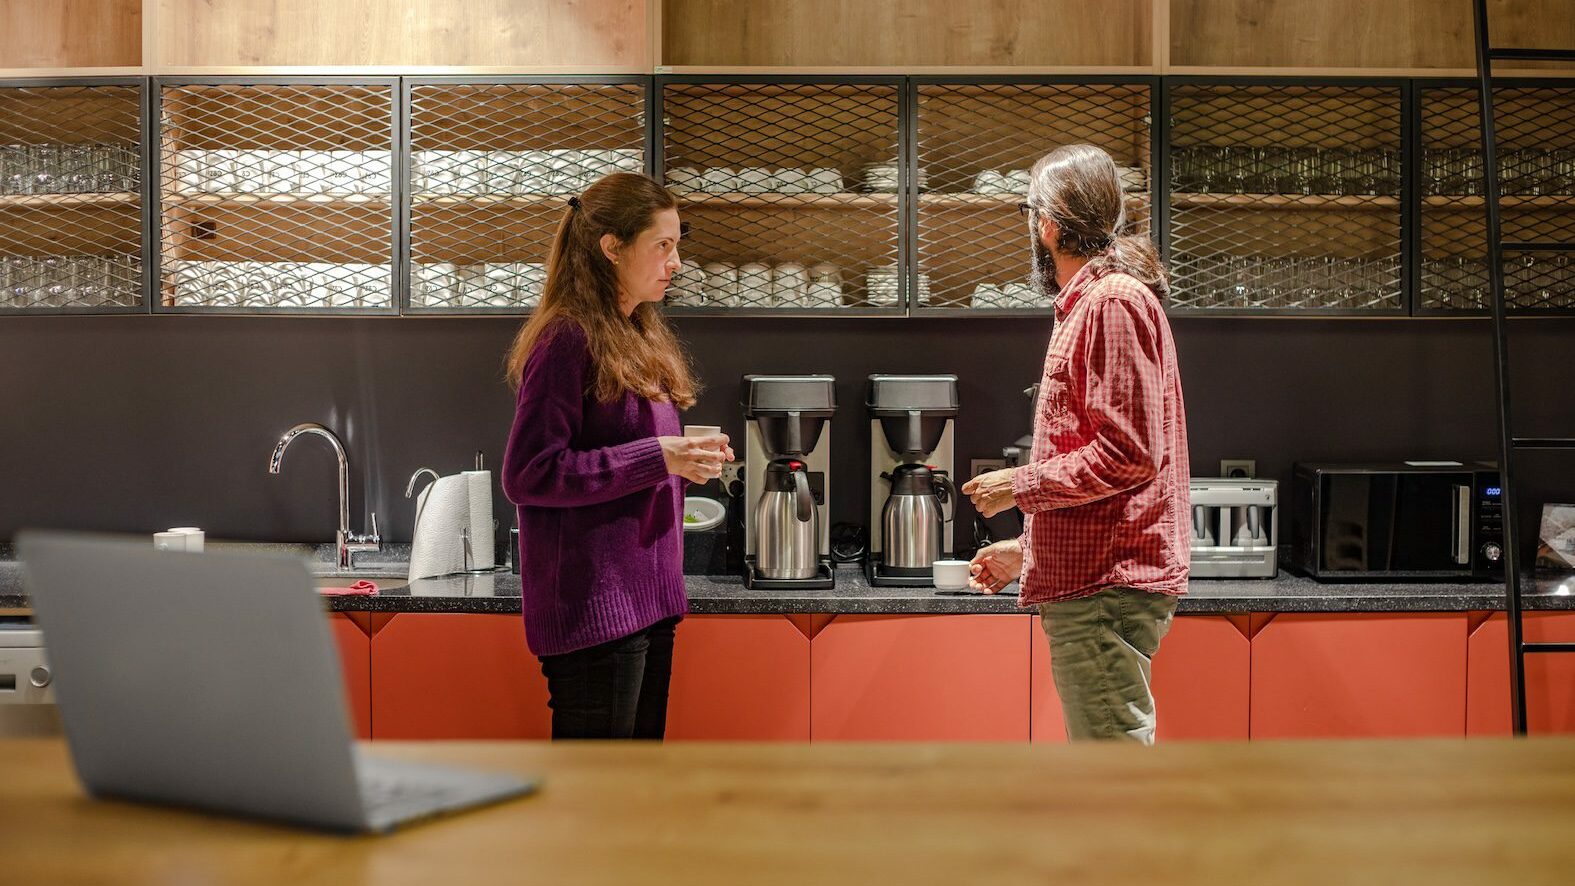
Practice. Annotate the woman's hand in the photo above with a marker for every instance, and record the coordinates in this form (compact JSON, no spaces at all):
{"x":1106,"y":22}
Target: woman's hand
{"x":996,"y":566}
{"x":696,"y":459}
{"x":991,"y":493}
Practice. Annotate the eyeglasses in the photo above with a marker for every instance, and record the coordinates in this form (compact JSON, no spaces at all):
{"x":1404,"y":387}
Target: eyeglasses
{"x":1023,"y":209}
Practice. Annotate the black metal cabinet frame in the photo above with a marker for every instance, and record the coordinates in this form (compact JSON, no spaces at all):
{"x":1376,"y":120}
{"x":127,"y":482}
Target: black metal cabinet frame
{"x":1411,"y":95}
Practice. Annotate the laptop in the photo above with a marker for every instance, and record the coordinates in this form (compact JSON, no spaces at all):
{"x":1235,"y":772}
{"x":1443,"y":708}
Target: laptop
{"x":210,"y":680}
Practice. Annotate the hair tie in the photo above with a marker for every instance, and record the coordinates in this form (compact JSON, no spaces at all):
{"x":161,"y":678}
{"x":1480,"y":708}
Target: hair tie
{"x":574,"y":202}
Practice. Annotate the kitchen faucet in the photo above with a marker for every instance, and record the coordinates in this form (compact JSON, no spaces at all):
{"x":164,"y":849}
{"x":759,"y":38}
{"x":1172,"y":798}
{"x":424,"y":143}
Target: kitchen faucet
{"x":346,"y":542}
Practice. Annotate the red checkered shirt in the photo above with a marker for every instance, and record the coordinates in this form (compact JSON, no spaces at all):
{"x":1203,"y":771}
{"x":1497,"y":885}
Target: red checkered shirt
{"x":1105,"y":497}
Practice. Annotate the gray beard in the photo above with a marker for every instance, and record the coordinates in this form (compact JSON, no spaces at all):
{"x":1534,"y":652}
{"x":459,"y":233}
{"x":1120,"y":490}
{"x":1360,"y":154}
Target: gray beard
{"x":1042,"y":275}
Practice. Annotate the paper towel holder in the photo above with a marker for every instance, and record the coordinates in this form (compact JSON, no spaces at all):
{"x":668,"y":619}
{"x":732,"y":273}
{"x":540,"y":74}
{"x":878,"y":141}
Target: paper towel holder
{"x":410,"y":488}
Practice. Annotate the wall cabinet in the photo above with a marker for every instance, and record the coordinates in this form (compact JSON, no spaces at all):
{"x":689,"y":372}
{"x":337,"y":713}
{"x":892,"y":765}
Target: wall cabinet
{"x":807,"y":195}
{"x":72,"y":196}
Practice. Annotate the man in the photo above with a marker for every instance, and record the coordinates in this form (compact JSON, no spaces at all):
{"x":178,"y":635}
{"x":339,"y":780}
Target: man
{"x":1104,"y":549}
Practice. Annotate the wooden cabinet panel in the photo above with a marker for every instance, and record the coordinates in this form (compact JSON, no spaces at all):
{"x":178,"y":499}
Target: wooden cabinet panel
{"x":456,"y":676}
{"x":1355,"y":33}
{"x":739,"y":677}
{"x":1359,"y":675}
{"x":922,"y":677}
{"x":604,"y":35}
{"x":70,"y":33}
{"x":355,"y":666}
{"x":1200,"y":682}
{"x":1550,"y":679}
{"x":906,"y":33}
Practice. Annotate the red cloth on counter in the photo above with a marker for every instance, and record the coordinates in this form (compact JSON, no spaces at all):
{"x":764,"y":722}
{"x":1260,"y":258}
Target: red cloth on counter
{"x":360,"y":588}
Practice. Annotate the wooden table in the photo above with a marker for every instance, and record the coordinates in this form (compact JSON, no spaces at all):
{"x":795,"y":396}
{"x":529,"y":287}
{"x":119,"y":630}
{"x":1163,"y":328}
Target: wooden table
{"x":1274,"y":812}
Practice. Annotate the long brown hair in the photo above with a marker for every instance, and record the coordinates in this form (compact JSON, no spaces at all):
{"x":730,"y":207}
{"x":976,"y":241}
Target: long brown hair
{"x":1078,"y":187}
{"x":636,"y":353}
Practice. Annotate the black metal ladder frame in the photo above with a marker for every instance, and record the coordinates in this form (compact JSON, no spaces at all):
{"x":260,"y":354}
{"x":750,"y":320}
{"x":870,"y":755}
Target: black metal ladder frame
{"x":1508,"y":443}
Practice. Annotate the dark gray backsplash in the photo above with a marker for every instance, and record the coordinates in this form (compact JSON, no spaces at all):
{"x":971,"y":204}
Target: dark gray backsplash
{"x":141,"y":423}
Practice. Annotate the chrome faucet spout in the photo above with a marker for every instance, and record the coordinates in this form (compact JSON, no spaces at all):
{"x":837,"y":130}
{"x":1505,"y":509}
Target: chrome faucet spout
{"x":346,"y":542}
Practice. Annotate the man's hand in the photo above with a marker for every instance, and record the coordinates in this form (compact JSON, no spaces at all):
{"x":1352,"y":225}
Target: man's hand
{"x":991,"y":493}
{"x":996,"y":566}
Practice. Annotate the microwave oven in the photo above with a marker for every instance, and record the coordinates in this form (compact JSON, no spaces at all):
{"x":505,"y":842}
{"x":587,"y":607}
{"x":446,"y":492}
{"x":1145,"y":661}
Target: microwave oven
{"x":1414,"y":520}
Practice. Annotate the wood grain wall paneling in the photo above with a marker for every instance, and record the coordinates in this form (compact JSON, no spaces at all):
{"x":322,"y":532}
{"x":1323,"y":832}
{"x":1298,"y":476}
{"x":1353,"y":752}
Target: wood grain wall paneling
{"x":572,"y":34}
{"x":70,"y":33}
{"x":1355,"y":33}
{"x":897,"y":33}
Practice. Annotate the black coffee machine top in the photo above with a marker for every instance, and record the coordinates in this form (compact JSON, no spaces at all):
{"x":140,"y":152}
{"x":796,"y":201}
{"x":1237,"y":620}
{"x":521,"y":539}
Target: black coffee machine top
{"x":790,"y":410}
{"x":913,"y":410}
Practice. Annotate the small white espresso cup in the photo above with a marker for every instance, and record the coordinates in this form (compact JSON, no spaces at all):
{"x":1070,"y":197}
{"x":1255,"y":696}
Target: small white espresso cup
{"x":169,"y":541}
{"x":951,"y":575}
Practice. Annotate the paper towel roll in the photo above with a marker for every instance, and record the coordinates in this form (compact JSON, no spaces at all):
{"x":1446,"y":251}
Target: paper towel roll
{"x":482,"y":553}
{"x":442,"y":512}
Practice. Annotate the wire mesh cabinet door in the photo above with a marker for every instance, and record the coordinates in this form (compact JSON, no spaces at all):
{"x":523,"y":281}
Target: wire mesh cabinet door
{"x":71,"y":196}
{"x":1285,"y":196}
{"x":793,"y":192}
{"x":1536,"y":139}
{"x":975,"y":143}
{"x":276,"y":196}
{"x":492,"y":165}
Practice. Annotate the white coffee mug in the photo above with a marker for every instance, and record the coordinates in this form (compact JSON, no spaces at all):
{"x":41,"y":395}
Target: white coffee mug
{"x":788,"y":281}
{"x":719,"y":180}
{"x":169,"y":541}
{"x":823,"y":294}
{"x":951,"y":575}
{"x":989,"y":182}
{"x":754,"y":284}
{"x":194,"y":537}
{"x":721,"y":284}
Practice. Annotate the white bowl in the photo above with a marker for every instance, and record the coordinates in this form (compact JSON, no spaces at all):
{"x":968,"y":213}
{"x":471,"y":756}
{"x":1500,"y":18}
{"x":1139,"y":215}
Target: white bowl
{"x":701,"y":513}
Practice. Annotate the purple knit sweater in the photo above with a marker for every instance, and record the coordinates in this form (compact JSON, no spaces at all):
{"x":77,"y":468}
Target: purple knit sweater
{"x":601,"y":520}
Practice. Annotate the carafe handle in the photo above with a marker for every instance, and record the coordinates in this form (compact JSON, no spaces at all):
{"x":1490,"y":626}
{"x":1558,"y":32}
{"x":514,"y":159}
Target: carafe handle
{"x":803,"y":497}
{"x":946,"y":494}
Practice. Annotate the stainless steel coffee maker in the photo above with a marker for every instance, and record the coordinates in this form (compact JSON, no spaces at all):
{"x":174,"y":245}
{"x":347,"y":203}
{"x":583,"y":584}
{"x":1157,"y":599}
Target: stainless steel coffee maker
{"x":786,"y":481}
{"x":912,"y":497}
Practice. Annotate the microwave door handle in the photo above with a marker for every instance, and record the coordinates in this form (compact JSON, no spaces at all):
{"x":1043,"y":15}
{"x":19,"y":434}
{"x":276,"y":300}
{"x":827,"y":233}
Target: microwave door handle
{"x":1462,"y":525}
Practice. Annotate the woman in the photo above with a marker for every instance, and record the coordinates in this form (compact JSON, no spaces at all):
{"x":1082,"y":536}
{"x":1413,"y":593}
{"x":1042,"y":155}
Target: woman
{"x":596,"y":462}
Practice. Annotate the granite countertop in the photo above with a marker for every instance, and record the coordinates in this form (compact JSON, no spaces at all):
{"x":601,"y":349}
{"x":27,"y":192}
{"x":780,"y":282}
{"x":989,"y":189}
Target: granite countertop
{"x":500,"y":592}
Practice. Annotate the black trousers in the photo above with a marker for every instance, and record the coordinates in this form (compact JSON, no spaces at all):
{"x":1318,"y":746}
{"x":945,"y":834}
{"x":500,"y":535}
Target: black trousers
{"x":615,"y":690}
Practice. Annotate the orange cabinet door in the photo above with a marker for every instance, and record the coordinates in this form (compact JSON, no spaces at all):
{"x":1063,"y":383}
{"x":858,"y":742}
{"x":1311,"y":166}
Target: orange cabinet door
{"x":1200,"y":682}
{"x":1359,"y":675}
{"x":355,"y":665}
{"x":450,"y":675}
{"x":921,"y":677}
{"x":1550,"y":678}
{"x":739,"y":677}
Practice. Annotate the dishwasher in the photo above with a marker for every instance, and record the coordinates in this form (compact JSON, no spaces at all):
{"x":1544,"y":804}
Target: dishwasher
{"x":27,"y":692}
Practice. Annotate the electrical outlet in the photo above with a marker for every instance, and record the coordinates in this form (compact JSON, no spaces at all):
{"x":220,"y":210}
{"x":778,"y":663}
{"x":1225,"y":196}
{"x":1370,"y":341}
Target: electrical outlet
{"x":732,"y":470}
{"x":1238,"y":467}
{"x":977,"y":466}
